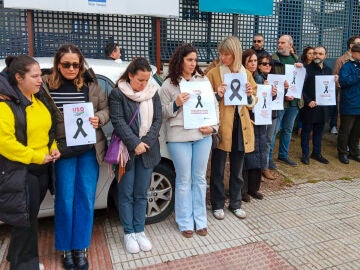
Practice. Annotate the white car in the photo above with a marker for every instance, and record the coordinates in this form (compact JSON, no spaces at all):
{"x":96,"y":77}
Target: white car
{"x":161,"y":189}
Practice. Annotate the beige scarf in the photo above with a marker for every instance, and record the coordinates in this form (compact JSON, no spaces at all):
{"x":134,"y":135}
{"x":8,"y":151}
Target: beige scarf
{"x":146,"y":103}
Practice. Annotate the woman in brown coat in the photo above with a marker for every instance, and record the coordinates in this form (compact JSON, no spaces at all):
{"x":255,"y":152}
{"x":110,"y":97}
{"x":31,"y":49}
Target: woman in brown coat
{"x":236,"y":131}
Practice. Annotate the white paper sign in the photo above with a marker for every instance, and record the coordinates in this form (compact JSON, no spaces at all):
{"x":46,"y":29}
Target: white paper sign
{"x":295,"y":77}
{"x":235,"y":89}
{"x":199,"y":110}
{"x":277,"y":81}
{"x":325,"y":93}
{"x":262,"y":109}
{"x":78,"y":129}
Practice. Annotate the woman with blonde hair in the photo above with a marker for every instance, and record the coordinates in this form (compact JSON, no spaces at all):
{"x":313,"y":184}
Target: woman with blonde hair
{"x":236,"y":130}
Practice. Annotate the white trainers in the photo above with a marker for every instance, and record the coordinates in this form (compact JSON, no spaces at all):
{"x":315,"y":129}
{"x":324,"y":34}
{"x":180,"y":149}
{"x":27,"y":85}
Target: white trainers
{"x":334,"y":130}
{"x":143,"y":241}
{"x":131,"y":245}
{"x":240,"y":213}
{"x":219,"y":214}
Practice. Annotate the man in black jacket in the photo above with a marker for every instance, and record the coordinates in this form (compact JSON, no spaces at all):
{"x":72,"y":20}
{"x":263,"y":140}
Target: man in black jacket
{"x":313,"y":117}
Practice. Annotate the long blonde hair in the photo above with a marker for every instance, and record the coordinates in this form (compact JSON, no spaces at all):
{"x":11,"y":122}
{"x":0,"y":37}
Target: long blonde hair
{"x":232,"y":45}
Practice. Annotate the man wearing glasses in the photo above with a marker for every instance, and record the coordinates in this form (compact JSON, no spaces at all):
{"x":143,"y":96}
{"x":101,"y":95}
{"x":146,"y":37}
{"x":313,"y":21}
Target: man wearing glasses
{"x":258,"y":45}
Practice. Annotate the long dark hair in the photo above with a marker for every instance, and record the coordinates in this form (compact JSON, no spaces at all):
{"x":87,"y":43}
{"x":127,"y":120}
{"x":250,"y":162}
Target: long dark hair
{"x":18,"y":65}
{"x":247,"y":54}
{"x":304,"y":54}
{"x":138,"y":63}
{"x":56,"y":79}
{"x":177,"y":61}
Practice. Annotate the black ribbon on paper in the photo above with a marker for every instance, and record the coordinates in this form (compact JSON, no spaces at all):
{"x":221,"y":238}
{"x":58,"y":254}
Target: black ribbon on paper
{"x":199,"y":102}
{"x":293,"y":81}
{"x":235,"y":90}
{"x":326,"y":89}
{"x":79,"y":123}
{"x":264,"y":106}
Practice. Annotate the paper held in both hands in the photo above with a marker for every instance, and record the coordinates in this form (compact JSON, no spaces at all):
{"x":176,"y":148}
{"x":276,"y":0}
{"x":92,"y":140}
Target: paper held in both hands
{"x":325,"y":91}
{"x":78,"y":128}
{"x":295,"y":77}
{"x":199,"y":110}
{"x":262,"y":109}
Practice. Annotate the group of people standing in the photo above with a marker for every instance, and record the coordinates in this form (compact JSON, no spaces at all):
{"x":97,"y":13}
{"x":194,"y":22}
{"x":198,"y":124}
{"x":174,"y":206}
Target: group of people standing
{"x":32,"y":133}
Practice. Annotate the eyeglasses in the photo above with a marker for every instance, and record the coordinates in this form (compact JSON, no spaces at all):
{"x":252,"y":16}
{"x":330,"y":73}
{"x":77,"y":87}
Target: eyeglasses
{"x":265,"y":64}
{"x":68,"y":65}
{"x":257,"y":41}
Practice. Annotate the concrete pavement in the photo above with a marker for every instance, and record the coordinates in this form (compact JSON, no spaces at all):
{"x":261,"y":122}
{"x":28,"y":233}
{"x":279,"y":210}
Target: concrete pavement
{"x":307,"y":226}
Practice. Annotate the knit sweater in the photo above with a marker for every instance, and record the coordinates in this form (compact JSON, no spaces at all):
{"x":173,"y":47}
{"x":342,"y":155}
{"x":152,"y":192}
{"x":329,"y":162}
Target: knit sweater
{"x":174,"y":120}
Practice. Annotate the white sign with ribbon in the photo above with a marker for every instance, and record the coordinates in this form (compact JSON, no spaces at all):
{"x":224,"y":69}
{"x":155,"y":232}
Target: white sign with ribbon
{"x":78,"y":129}
{"x":277,"y":81}
{"x":235,"y":89}
{"x":199,"y":110}
{"x":295,"y":77}
{"x":262,"y":109}
{"x":325,"y":91}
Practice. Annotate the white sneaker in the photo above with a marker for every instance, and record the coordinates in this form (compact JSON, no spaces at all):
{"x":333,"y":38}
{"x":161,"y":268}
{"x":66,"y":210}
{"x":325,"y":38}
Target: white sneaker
{"x":41,"y":266}
{"x":240,"y":213}
{"x":131,"y":245}
{"x":219,"y":214}
{"x":334,"y":130}
{"x":143,"y":241}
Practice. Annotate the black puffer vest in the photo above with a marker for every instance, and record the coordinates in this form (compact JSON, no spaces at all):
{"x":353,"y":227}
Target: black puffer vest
{"x":14,"y":194}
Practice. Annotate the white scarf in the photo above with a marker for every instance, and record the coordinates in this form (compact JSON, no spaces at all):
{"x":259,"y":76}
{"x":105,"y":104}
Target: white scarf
{"x":146,"y":104}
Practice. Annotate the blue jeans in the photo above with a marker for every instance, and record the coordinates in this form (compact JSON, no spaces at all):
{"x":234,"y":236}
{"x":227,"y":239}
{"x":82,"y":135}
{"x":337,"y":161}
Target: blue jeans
{"x":270,"y":129}
{"x":277,"y":123}
{"x":190,"y":161}
{"x":132,"y":196}
{"x":287,"y":125}
{"x":76,"y":180}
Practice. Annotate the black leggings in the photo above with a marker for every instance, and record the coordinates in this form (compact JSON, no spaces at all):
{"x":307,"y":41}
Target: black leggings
{"x":23,"y":248}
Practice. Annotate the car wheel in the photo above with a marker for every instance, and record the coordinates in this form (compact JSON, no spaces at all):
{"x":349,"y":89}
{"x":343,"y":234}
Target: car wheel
{"x":161,"y":193}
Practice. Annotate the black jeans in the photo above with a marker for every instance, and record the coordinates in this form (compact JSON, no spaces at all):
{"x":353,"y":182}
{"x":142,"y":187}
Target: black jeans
{"x":317,"y":129}
{"x":348,"y":135}
{"x":23,"y":248}
{"x":217,"y":189}
{"x":252,"y":181}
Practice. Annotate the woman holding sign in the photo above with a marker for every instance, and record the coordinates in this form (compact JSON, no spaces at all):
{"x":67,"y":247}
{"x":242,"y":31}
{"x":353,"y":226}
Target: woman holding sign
{"x":189,"y":148}
{"x":236,"y":130}
{"x":78,"y":169}
{"x":257,"y":160}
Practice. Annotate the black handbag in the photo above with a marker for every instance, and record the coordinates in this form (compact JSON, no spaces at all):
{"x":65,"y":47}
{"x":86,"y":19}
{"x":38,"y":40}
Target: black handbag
{"x":71,"y":151}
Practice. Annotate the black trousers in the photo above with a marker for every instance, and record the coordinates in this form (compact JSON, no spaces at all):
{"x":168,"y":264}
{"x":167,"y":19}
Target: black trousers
{"x":217,"y":189}
{"x":23,"y":248}
{"x":348,"y":135}
{"x":317,"y":129}
{"x":252,"y":181}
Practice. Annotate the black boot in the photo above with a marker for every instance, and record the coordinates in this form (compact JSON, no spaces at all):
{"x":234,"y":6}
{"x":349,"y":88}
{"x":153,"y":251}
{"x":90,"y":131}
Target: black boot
{"x":81,"y":261}
{"x":68,"y":260}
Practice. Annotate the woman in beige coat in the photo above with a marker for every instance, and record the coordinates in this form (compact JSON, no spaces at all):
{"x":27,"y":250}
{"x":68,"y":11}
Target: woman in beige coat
{"x":236,"y":130}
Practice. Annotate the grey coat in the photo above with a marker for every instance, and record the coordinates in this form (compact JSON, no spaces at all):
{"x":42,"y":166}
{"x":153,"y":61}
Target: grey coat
{"x":121,"y":111}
